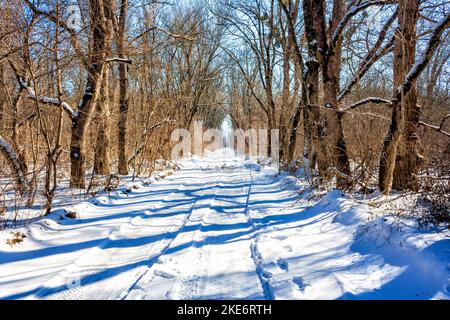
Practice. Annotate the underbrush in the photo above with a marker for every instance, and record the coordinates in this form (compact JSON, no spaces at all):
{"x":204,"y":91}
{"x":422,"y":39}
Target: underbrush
{"x":428,"y":207}
{"x":17,"y":210}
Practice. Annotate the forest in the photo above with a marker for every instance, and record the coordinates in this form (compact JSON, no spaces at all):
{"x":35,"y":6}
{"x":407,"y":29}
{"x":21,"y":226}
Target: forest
{"x":357,"y":91}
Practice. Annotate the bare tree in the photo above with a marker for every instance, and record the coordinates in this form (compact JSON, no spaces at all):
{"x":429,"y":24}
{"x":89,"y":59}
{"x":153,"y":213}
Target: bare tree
{"x":407,"y":83}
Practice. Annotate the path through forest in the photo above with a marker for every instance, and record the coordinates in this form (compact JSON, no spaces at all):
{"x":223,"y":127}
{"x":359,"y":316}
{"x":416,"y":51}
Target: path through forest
{"x":220,"y":227}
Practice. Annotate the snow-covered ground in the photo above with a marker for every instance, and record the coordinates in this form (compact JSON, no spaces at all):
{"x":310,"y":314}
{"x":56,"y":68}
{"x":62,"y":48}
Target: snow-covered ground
{"x":223,"y":227}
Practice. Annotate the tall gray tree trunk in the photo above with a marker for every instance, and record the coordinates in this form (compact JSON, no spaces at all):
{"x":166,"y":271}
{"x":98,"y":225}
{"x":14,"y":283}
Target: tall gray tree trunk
{"x":315,"y":35}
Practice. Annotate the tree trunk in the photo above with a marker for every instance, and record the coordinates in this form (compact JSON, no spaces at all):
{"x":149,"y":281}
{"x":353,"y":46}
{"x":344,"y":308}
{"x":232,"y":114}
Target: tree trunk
{"x":123,"y":95}
{"x":292,"y":137}
{"x":272,"y":124}
{"x":331,"y":65}
{"x":102,"y":159}
{"x":2,"y":95}
{"x":293,"y":123}
{"x":314,"y":131}
{"x":404,"y":52}
{"x":15,"y":164}
{"x":99,"y":49}
{"x":406,"y":167}
{"x":286,"y":108}
{"x":21,"y":153}
{"x":314,"y":16}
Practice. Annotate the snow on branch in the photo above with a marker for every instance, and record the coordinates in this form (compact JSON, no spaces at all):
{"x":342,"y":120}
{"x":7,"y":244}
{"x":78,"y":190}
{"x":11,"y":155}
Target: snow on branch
{"x":352,"y":11}
{"x":437,"y":128}
{"x":47,"y":100}
{"x":375,"y":100}
{"x":14,"y":163}
{"x":424,"y":59}
{"x":120,"y":60}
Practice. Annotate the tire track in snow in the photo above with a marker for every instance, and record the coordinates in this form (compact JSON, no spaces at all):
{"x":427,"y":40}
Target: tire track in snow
{"x":198,"y":285}
{"x":154,"y":259}
{"x":194,"y":286}
{"x":77,"y":288}
{"x":263,"y":276}
{"x":77,"y":292}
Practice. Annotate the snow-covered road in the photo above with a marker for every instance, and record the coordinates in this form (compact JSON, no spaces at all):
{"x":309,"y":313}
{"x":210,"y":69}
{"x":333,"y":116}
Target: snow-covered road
{"x":219,"y":228}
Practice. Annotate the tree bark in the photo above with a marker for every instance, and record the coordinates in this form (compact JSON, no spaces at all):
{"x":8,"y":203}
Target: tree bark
{"x":405,"y":175}
{"x":123,"y":95}
{"x":331,"y":65}
{"x":15,"y":164}
{"x":98,"y":51}
{"x":315,"y":35}
{"x":314,"y":147}
{"x":102,"y":157}
{"x":2,"y":95}
{"x":404,"y":55}
{"x":286,"y":107}
{"x":102,"y":148}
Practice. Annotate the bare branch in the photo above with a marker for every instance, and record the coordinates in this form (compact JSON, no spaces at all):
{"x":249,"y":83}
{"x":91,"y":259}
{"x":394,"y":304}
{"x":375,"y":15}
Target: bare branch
{"x":250,"y":84}
{"x":352,"y":11}
{"x":72,"y":33}
{"x":437,"y":128}
{"x":424,"y":59}
{"x":146,"y":131}
{"x":47,"y":100}
{"x":372,"y":56}
{"x":119,"y":60}
{"x":375,"y":100}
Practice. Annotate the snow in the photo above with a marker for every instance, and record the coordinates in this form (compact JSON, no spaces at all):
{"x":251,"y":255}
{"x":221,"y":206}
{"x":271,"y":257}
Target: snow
{"x":48,"y":100}
{"x":224,"y":227}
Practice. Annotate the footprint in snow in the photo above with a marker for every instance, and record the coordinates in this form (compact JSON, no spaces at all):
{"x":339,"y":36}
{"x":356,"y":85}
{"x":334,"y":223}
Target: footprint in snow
{"x":136,"y":220}
{"x":266,"y":274}
{"x":279,"y":237}
{"x":298,"y":281}
{"x":163,"y":274}
{"x":288,"y":248}
{"x":283,"y":264}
